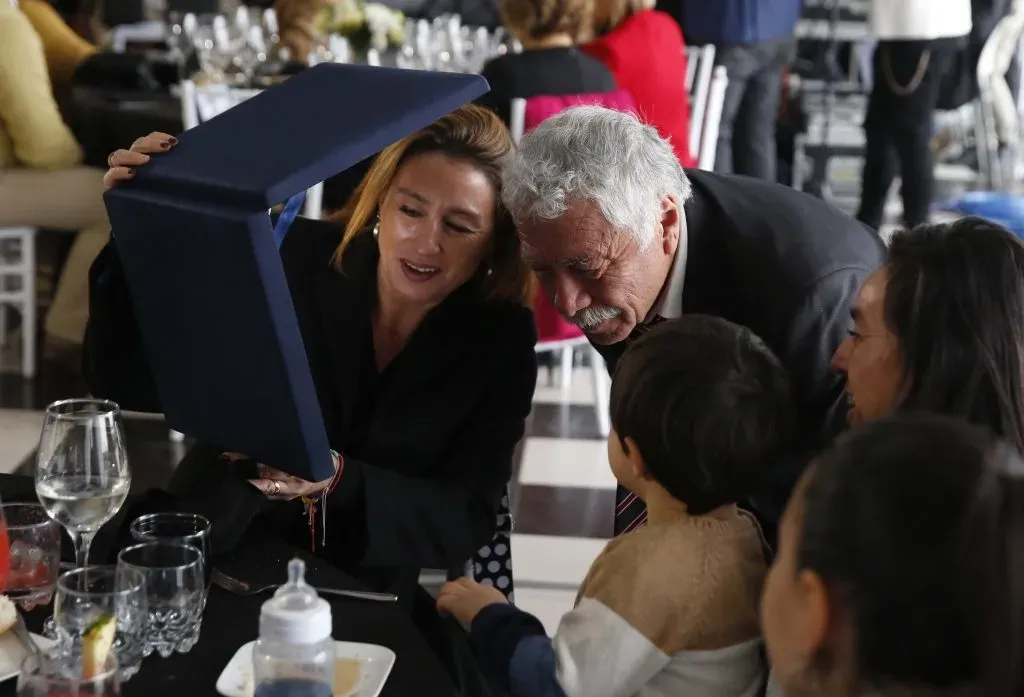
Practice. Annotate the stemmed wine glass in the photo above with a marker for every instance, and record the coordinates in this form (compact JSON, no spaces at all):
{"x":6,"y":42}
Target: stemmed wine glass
{"x":82,"y":476}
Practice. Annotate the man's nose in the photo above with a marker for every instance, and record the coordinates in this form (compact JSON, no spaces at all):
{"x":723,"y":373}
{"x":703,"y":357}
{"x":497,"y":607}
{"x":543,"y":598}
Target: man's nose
{"x":841,"y":358}
{"x":567,"y":296}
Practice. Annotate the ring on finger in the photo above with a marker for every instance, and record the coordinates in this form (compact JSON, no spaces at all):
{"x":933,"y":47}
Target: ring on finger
{"x":277,"y":488}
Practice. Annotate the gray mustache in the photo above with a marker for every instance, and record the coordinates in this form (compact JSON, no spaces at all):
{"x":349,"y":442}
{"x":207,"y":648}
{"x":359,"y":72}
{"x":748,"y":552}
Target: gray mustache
{"x":590,"y":317}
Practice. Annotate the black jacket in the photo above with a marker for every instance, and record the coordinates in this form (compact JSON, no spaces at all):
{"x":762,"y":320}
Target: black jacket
{"x":542,"y":72}
{"x":428,"y":448}
{"x":788,"y":266}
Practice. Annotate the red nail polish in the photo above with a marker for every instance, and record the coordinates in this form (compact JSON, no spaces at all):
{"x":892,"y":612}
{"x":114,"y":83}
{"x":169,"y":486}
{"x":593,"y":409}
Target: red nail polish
{"x":172,"y":140}
{"x":165,"y":145}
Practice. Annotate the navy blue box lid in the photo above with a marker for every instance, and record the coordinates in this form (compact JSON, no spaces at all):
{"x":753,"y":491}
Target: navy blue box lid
{"x":194,"y":236}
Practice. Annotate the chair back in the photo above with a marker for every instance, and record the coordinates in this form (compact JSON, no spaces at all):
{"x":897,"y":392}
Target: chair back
{"x":712,"y":118}
{"x":540,"y":108}
{"x":700,"y":65}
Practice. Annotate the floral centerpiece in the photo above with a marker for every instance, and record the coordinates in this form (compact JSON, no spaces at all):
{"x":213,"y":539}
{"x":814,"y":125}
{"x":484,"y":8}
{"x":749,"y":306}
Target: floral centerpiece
{"x":366,"y":25}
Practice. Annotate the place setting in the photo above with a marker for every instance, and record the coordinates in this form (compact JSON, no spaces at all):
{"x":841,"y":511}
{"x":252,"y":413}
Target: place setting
{"x":144,"y":599}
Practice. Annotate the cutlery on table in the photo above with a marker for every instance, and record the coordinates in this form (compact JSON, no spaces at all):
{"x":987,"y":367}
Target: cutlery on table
{"x":238,"y":587}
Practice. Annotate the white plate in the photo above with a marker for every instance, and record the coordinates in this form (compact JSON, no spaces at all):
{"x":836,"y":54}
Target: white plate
{"x":377,"y":661}
{"x":12,"y":653}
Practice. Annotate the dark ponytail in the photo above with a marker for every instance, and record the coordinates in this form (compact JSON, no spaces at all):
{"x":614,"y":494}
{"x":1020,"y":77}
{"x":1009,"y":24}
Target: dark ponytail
{"x":916,"y":525}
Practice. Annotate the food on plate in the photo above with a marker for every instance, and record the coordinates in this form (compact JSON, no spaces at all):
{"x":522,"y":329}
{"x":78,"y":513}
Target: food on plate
{"x":96,"y":645}
{"x":8,"y":614}
{"x":347,"y":672}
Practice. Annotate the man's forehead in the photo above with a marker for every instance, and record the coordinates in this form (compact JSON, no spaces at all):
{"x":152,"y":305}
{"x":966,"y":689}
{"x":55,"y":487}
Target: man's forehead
{"x":564,"y":239}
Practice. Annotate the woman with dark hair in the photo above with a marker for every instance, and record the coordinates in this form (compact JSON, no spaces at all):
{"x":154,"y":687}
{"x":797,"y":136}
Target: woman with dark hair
{"x":940,"y":328}
{"x":901,"y":567}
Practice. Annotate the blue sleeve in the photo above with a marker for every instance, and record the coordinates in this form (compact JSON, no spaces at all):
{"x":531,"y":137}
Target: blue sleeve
{"x":515,"y":649}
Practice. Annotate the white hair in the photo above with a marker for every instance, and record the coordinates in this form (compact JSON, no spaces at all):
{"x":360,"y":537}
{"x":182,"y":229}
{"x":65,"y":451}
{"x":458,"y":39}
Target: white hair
{"x":590,"y":153}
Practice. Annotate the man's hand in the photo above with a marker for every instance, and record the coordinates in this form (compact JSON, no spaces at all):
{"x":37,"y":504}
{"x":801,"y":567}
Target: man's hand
{"x":464,"y":599}
{"x":278,"y":486}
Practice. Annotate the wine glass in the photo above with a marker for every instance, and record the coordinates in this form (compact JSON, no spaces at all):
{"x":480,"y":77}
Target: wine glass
{"x":82,"y":476}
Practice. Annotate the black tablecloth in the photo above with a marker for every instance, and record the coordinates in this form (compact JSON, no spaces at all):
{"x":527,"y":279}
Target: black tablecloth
{"x":231,"y":621}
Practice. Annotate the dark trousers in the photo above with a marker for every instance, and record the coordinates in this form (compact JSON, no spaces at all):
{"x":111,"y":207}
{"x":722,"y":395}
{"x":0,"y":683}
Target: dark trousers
{"x":899,"y":125}
{"x":746,"y":136}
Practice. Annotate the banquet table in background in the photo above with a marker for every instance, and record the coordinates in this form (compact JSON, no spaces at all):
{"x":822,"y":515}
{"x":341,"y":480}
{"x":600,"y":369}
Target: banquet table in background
{"x":231,"y":621}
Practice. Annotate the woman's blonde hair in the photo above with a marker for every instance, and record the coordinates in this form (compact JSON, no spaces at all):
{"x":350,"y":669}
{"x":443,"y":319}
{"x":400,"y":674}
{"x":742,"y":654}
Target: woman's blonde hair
{"x":297,"y":20}
{"x":537,"y":19}
{"x":470,"y":133}
{"x":609,"y":14}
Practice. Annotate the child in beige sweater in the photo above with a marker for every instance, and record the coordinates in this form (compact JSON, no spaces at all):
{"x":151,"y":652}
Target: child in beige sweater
{"x":700,"y":409}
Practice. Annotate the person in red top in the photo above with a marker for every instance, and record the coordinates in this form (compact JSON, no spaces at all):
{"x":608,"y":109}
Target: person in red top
{"x":643,"y":48}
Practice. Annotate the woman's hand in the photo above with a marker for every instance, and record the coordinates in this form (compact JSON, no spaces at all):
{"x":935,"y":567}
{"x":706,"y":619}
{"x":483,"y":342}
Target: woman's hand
{"x":278,"y":486}
{"x":122,"y":161}
{"x":464,"y":599}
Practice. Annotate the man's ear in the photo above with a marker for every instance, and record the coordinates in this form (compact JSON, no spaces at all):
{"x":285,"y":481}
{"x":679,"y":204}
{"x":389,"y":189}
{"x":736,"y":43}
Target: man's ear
{"x":635,"y":458}
{"x":671,"y":224}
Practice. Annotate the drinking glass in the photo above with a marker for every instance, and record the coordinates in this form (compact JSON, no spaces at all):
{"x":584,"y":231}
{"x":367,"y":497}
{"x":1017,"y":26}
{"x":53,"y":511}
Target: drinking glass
{"x":34,"y":554}
{"x":181,"y":528}
{"x":56,"y":673}
{"x":5,"y":553}
{"x":82,"y":476}
{"x":85,"y":595}
{"x":175,"y":593}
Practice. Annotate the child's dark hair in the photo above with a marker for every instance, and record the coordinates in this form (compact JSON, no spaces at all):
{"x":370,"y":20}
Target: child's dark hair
{"x":916,"y":525}
{"x":708,"y":405}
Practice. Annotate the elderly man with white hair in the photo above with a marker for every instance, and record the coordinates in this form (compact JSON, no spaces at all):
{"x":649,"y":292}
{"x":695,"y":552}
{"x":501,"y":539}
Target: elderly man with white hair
{"x":620,"y":236}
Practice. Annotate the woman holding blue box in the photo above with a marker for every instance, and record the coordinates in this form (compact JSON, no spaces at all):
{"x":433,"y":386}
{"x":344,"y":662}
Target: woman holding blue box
{"x":414,"y":310}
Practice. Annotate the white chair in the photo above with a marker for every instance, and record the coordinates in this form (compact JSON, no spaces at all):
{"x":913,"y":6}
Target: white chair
{"x":700,"y":64}
{"x":517,"y":119}
{"x":712,"y":120}
{"x":18,"y":289}
{"x":997,"y":118}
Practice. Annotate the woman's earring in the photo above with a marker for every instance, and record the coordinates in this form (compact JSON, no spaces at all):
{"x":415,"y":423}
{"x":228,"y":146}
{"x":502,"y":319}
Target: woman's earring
{"x":490,"y":271}
{"x":376,"y":229}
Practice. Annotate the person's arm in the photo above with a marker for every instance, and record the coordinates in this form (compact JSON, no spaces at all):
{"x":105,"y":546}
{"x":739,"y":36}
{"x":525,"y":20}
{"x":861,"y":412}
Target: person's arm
{"x":594,"y":653}
{"x":381,"y":518}
{"x":28,"y":110}
{"x":115,"y":363}
{"x":65,"y":50}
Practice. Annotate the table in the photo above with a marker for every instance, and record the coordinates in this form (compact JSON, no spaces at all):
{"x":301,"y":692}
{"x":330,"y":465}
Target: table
{"x":231,"y":621}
